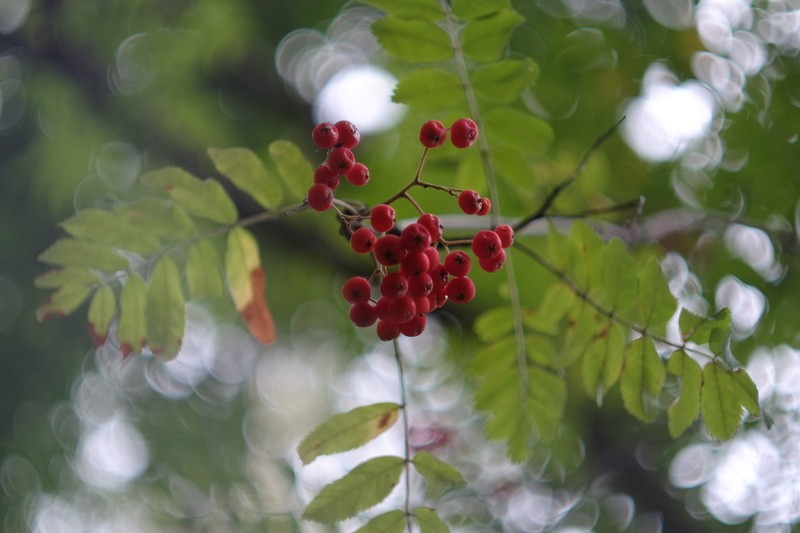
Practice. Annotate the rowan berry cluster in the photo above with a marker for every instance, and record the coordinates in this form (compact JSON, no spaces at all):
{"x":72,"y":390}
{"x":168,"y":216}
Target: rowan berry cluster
{"x":411,"y":278}
{"x":339,"y":139}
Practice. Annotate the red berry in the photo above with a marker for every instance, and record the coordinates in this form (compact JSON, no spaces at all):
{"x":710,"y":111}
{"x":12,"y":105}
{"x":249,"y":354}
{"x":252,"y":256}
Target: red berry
{"x":431,"y":223}
{"x":457,"y":264}
{"x":438,"y":298}
{"x":394,"y":285}
{"x":432,"y":134}
{"x":486,"y":206}
{"x":341,"y":159}
{"x":415,"y":264}
{"x":349,"y":136}
{"x":358,"y":175}
{"x":493,"y":264}
{"x":415,"y":237}
{"x":469,"y":202}
{"x":382,"y":217}
{"x":440,"y":277}
{"x":414,"y":327}
{"x":320,"y":197}
{"x":506,"y":234}
{"x":363,"y":315}
{"x":362,"y":240}
{"x":387,"y":329}
{"x":460,"y":290}
{"x":356,"y":290}
{"x":325,"y":135}
{"x":323,"y":174}
{"x":402,"y":309}
{"x":433,"y":257}
{"x":419,"y":286}
{"x":423,"y":304}
{"x":463,"y":133}
{"x":382,"y":307}
{"x":389,"y":250}
{"x":486,"y":244}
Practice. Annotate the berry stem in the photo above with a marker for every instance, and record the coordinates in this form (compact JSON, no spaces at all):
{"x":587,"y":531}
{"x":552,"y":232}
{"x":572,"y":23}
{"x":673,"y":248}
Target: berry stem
{"x":406,"y":441}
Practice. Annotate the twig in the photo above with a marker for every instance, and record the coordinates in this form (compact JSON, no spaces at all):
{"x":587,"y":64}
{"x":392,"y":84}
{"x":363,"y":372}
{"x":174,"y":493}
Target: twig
{"x":406,"y":440}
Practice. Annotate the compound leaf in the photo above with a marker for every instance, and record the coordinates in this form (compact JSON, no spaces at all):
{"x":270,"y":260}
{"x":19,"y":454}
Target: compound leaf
{"x":428,"y":521}
{"x":413,"y":40}
{"x":684,"y":410}
{"x":201,"y":198}
{"x":430,"y":89}
{"x":346,"y":431}
{"x":389,"y":522}
{"x":440,"y":476}
{"x":642,"y":377}
{"x":203,"y":275}
{"x":102,"y":309}
{"x":485,"y":39}
{"x":104,"y":228}
{"x":530,"y":134}
{"x":602,"y":362}
{"x":722,"y":410}
{"x":701,"y":329}
{"x":616,"y":289}
{"x":82,"y":254}
{"x":494,"y":324}
{"x":503,"y":82}
{"x":55,"y":278}
{"x":746,"y":391}
{"x":160,"y":216}
{"x":132,"y":326}
{"x":246,"y":171}
{"x":165,"y":313}
{"x":63,"y":301}
{"x":361,"y":488}
{"x":293,"y":168}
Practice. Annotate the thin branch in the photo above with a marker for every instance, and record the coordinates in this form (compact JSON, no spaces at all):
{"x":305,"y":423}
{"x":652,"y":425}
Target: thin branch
{"x":576,"y":173}
{"x":406,"y":440}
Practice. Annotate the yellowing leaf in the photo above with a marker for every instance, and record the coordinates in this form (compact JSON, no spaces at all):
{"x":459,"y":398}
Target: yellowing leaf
{"x":165,"y":316}
{"x":349,"y":430}
{"x":722,"y":410}
{"x":364,"y":486}
{"x":106,"y":229}
{"x":246,"y":284}
{"x":245,"y":170}
{"x":132,"y":327}
{"x":684,"y":410}
{"x":642,"y":377}
{"x":101,"y":311}
{"x":63,"y":302}
{"x":203,"y":273}
{"x":82,"y":254}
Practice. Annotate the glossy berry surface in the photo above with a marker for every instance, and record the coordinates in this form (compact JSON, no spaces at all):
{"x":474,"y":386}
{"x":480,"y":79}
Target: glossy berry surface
{"x":320,"y":197}
{"x":415,"y":238}
{"x":323,"y":174}
{"x":460,"y":290}
{"x":389,"y":250}
{"x":494,"y":263}
{"x":349,"y":136}
{"x":362,"y":240}
{"x":358,"y":175}
{"x":506,"y":234}
{"x":325,"y":135}
{"x":486,"y":244}
{"x":356,"y":290}
{"x":432,"y":224}
{"x":363,"y":315}
{"x":415,"y":264}
{"x":394,"y":285}
{"x":486,"y":206}
{"x":387,"y":329}
{"x":382,"y":217}
{"x":463,"y":133}
{"x":457,"y":264}
{"x":469,"y":202}
{"x":432,"y":134}
{"x":341,"y":159}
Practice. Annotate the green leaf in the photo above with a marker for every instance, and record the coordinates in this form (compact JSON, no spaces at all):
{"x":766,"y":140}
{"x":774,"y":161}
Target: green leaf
{"x":132,"y":327}
{"x":106,"y":229}
{"x":428,"y":9}
{"x":413,"y":40}
{"x":160,"y":216}
{"x":583,"y":325}
{"x":746,"y":391}
{"x":293,"y":167}
{"x":494,"y":357}
{"x":346,"y":431}
{"x":439,"y":476}
{"x":518,"y":129}
{"x":389,"y":522}
{"x":557,"y":302}
{"x":428,"y":521}
{"x":642,"y":378}
{"x":101,"y":311}
{"x":201,"y":198}
{"x":472,"y":9}
{"x":602,"y":362}
{"x":64,"y":301}
{"x":585,"y":247}
{"x":700,"y":329}
{"x":81,"y":254}
{"x":430,"y":89}
{"x":203,"y":274}
{"x":494,"y":323}
{"x":616,"y":287}
{"x":486,"y":39}
{"x":684,"y":410}
{"x":503,"y":82}
{"x":248,"y":174}
{"x":719,"y":402}
{"x":656,"y":303}
{"x":165,"y":314}
{"x":547,"y":397}
{"x":364,"y":486}
{"x":55,"y":278}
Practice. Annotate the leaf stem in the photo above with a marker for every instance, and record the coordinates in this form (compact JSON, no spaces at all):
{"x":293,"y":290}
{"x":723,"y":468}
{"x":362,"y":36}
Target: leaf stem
{"x":406,"y":440}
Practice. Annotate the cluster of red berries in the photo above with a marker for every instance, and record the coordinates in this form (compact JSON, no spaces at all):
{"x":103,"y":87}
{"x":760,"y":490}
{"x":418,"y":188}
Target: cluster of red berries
{"x":411,"y":276}
{"x":339,"y":139}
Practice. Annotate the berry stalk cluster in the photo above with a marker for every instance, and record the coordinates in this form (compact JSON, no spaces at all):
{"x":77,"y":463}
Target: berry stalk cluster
{"x":416,"y":270}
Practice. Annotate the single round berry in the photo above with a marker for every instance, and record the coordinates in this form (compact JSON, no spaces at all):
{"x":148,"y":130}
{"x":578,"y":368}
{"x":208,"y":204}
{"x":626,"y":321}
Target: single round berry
{"x":463,"y":133}
{"x":493,"y":264}
{"x":414,"y":327}
{"x":433,"y":258}
{"x":394,"y":285}
{"x":469,"y":202}
{"x":457,"y":263}
{"x":438,"y":298}
{"x":382,"y":217}
{"x":415,"y":237}
{"x":506,"y":234}
{"x":358,"y":175}
{"x":460,"y":290}
{"x":419,"y":286}
{"x":389,"y":250}
{"x":382,"y":307}
{"x":423,"y":304}
{"x":325,"y":135}
{"x":362,"y":240}
{"x":440,"y":277}
{"x":402,"y":309}
{"x":432,"y":224}
{"x":387,"y":329}
{"x":414,"y":264}
{"x":432,"y":134}
{"x":349,"y":136}
{"x":323,"y":174}
{"x":320,"y":197}
{"x":486,"y":244}
{"x":356,"y":290}
{"x":486,"y":206}
{"x":341,"y":159}
{"x":363,"y":315}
